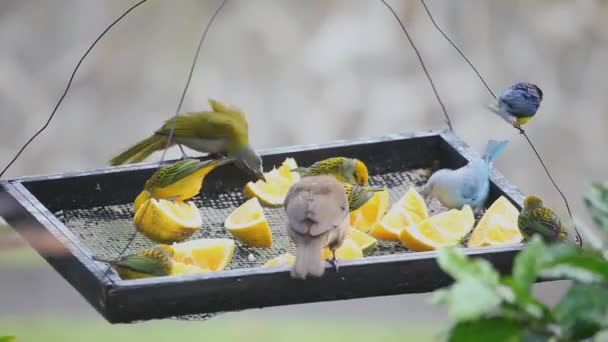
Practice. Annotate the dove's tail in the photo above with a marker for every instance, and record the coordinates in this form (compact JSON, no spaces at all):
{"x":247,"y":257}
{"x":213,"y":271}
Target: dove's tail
{"x":493,"y":149}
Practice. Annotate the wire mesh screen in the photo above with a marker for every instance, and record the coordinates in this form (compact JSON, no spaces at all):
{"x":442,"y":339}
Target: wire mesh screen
{"x":105,"y":230}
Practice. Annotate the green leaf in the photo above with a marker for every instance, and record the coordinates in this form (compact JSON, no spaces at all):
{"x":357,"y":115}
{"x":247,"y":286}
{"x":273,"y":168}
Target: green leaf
{"x":469,"y":299}
{"x":583,"y":310}
{"x":528,"y":264}
{"x":586,"y":268}
{"x":596,"y":200}
{"x":483,"y":330}
{"x":8,"y":338}
{"x":459,"y":266}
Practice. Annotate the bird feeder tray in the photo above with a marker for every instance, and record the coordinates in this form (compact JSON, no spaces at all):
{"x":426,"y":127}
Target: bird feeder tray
{"x":90,"y":213}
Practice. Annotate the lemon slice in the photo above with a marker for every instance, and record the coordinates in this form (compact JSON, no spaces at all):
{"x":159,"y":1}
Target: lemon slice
{"x":409,"y":210}
{"x":364,"y":241}
{"x":180,"y":268}
{"x":281,"y":260}
{"x":211,"y":254}
{"x":272,"y":192}
{"x":393,"y":223}
{"x":286,"y":167}
{"x":497,"y":226}
{"x":248,"y":224}
{"x":349,"y":250}
{"x":166,"y":222}
{"x":364,"y":218}
{"x":445,"y":229}
{"x":413,"y":203}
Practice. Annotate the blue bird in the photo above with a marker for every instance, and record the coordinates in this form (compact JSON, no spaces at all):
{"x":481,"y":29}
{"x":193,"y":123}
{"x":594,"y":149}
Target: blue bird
{"x":518,"y":104}
{"x":469,"y":184}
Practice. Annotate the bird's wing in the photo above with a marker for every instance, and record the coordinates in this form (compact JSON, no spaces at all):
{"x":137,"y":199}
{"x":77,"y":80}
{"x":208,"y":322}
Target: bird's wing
{"x":143,"y":264}
{"x":172,"y":173}
{"x":469,"y":182}
{"x":519,"y":103}
{"x":207,"y":125}
{"x":219,"y":107}
{"x":545,"y":222}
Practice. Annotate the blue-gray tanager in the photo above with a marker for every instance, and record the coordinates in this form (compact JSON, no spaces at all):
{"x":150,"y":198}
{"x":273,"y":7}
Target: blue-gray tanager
{"x":469,"y":184}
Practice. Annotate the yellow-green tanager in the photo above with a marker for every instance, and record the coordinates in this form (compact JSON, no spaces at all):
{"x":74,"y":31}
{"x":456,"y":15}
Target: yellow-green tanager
{"x":221,"y":131}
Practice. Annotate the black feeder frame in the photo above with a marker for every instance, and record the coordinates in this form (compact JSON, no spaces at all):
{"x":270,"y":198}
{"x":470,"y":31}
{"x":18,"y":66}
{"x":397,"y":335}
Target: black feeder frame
{"x":37,"y":203}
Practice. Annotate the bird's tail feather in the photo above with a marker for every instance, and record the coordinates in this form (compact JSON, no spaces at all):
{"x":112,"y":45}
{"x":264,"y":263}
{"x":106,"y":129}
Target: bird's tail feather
{"x":493,"y":149}
{"x":494,"y":108}
{"x":308,"y":259}
{"x":141,"y":150}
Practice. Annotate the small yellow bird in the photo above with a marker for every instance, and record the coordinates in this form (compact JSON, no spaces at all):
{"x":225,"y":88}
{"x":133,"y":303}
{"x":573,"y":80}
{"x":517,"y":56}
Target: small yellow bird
{"x":535,"y":218}
{"x":153,"y":262}
{"x":346,"y":170}
{"x":179,"y":181}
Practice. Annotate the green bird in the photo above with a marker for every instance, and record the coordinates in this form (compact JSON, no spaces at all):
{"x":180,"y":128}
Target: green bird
{"x":222,"y":131}
{"x":153,"y":262}
{"x":535,"y":218}
{"x":346,"y":170}
{"x":359,"y":195}
{"x":181,"y":180}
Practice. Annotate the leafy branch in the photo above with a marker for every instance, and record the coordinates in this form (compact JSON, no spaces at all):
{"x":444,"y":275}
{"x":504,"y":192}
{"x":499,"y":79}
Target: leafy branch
{"x":489,"y":307}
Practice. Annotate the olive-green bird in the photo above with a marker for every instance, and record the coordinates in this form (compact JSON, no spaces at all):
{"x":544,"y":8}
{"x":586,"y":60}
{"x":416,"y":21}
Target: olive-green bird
{"x":181,"y":180}
{"x":359,"y":195}
{"x":535,"y":218}
{"x":222,"y":131}
{"x":346,"y":170}
{"x":153,"y":262}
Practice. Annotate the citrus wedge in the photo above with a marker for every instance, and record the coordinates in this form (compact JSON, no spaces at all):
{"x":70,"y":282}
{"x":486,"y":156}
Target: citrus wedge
{"x":211,"y":254}
{"x":281,"y":260}
{"x":409,"y":210}
{"x":445,"y":229}
{"x":272,"y":192}
{"x":349,"y":250}
{"x":497,"y":226}
{"x":166,"y":222}
{"x":248,"y":224}
{"x":364,"y":241}
{"x":414,"y":203}
{"x":392,"y":223}
{"x":286,"y":167}
{"x":364,"y":218}
{"x":179,"y":268}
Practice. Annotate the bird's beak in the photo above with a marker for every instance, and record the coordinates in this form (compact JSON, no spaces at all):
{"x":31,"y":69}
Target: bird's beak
{"x":260,"y":175}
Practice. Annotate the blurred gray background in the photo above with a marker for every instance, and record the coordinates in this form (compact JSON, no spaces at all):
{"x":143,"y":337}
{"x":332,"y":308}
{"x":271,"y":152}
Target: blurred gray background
{"x":304,"y":72}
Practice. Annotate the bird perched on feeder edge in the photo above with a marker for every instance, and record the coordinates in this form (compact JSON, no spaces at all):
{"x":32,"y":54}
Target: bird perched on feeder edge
{"x":181,"y":180}
{"x":535,"y":218}
{"x":346,"y":170}
{"x":469,"y":184}
{"x":152,"y":262}
{"x":222,"y":131}
{"x":317,"y":213}
{"x":519,"y":103}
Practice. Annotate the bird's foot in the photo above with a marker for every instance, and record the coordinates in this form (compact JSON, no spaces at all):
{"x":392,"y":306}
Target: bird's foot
{"x":519,"y":128}
{"x":334,"y":262}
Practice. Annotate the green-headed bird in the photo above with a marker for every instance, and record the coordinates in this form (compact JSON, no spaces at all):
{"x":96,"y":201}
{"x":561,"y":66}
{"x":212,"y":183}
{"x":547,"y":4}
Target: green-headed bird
{"x":153,"y":262}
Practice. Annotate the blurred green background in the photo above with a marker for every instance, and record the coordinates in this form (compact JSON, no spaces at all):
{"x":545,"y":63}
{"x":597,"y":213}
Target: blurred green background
{"x":305,"y":72}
